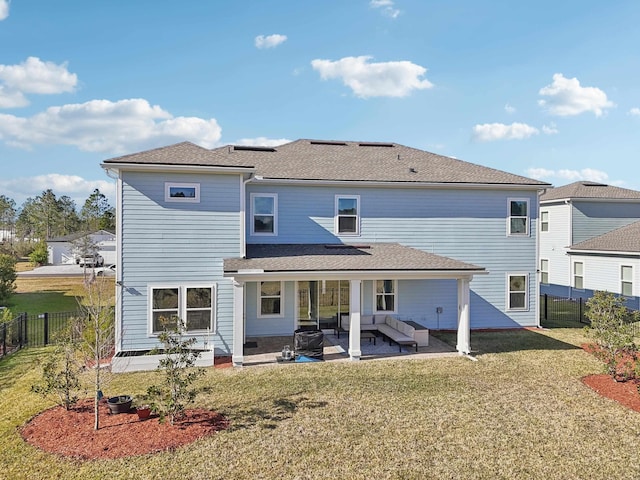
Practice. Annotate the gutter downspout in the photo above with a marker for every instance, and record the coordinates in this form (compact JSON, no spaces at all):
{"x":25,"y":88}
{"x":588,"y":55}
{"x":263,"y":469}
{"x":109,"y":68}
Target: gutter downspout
{"x":243,"y":215}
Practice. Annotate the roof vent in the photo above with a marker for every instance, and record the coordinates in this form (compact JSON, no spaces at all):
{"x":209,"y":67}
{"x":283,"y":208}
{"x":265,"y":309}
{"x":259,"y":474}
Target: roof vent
{"x":375,"y":144}
{"x":250,"y":148}
{"x":326,"y":142}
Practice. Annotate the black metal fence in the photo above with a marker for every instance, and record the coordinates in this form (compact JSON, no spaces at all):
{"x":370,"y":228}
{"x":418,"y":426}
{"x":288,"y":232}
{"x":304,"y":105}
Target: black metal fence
{"x":559,"y":310}
{"x":35,"y":330}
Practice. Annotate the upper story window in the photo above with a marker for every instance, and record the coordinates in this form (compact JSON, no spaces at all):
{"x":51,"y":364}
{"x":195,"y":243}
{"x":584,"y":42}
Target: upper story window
{"x":578,"y":275}
{"x":182,"y":192}
{"x":544,"y":271}
{"x":386,"y":295}
{"x":347,"y":217}
{"x":517,"y":292}
{"x":544,"y":221}
{"x":270,"y":299}
{"x":626,"y":279}
{"x":193,"y":305}
{"x":518,"y":216}
{"x":264,"y":214}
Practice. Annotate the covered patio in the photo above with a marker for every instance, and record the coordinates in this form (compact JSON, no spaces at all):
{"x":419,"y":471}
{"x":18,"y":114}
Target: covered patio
{"x":355,"y":264}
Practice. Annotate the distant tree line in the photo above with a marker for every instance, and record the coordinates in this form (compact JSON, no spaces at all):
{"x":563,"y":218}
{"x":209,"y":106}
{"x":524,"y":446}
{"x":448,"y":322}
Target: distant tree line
{"x":47,"y":216}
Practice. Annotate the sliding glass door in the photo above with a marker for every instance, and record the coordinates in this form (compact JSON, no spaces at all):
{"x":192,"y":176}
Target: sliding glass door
{"x":320,"y":302}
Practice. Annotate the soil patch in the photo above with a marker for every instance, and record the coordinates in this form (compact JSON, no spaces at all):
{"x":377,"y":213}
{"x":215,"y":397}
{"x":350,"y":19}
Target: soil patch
{"x":71,"y":434}
{"x":625,"y":393}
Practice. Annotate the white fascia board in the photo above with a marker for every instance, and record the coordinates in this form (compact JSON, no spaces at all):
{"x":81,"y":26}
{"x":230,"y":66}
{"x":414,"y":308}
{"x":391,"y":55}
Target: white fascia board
{"x":146,"y":167}
{"x":356,"y":275}
{"x":606,"y":253}
{"x":368,"y":183}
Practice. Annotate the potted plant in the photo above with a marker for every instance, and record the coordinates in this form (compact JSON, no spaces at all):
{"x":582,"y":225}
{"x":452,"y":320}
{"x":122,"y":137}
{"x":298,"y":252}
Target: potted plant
{"x":143,"y":411}
{"x":119,"y":404}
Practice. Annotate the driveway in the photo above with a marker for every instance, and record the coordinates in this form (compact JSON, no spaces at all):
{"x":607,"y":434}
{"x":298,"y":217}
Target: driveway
{"x":54,"y":271}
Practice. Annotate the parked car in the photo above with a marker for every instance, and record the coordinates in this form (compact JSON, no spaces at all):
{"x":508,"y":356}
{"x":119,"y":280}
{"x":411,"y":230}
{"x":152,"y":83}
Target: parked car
{"x":106,"y":271}
{"x":91,"y":260}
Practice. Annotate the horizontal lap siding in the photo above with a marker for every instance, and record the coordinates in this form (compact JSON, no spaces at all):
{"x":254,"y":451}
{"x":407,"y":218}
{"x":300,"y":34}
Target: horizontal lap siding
{"x":177,"y":243}
{"x":554,"y":243}
{"x":468,"y":225}
{"x":591,"y":219}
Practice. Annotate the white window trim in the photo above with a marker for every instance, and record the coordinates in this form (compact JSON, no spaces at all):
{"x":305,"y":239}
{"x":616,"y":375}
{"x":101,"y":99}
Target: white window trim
{"x":260,"y":297}
{"x":169,"y":185}
{"x":336,"y":216}
{"x":526,"y":307}
{"x":547,"y":222}
{"x":395,"y":298}
{"x":573,"y":276}
{"x":544,"y":271}
{"x":182,"y":305}
{"x":623,"y":281}
{"x":528,"y":229}
{"x":275,"y":214}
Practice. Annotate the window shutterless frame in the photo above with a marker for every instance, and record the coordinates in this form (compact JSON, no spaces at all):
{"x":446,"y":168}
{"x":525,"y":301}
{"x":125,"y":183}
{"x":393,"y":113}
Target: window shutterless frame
{"x":264,"y":214}
{"x":270,"y":299}
{"x":626,"y":280}
{"x":182,"y":192}
{"x":517,"y":291}
{"x":385,"y":296}
{"x":578,"y":275}
{"x":193,"y":304}
{"x":518,"y":217}
{"x":347,"y":215}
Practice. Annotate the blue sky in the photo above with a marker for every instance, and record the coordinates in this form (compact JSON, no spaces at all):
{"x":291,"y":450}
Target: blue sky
{"x":544,"y":89}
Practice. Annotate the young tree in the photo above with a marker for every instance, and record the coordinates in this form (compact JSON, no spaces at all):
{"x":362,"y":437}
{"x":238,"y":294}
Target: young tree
{"x":8,"y":277}
{"x":172,"y":397}
{"x":612,"y":331}
{"x":97,"y":333}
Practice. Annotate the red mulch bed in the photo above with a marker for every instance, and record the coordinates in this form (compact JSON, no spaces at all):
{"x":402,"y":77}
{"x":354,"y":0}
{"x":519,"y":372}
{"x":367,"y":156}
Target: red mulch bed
{"x":625,"y":393}
{"x":71,"y":434}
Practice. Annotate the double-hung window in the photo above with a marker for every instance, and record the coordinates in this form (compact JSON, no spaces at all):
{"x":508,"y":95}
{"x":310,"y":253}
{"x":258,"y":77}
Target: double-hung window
{"x":518,"y":217}
{"x":347,"y":216}
{"x":544,"y":270}
{"x":518,"y":298}
{"x":386,"y":295}
{"x":264,"y":214}
{"x":544,"y":221}
{"x":626,"y":279}
{"x":578,"y":275}
{"x":192,"y":306}
{"x":270,"y":299}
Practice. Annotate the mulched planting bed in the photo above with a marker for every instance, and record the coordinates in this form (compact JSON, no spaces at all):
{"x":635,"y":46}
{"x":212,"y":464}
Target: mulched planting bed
{"x":71,"y":434}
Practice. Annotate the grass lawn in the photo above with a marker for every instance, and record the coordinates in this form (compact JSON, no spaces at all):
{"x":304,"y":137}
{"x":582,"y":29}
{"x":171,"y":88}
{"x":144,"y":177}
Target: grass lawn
{"x":520,"y":411}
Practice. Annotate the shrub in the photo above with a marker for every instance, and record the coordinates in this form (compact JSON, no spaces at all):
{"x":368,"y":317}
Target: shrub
{"x":8,"y":277}
{"x":174,"y":394}
{"x":39,"y":255}
{"x":612,"y":330}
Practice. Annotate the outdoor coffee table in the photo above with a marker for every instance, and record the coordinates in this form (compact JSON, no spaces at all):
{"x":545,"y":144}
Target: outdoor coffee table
{"x":369,"y":335}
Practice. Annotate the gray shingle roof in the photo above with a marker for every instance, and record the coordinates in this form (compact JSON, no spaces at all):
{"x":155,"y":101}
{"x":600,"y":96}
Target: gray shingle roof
{"x":624,"y":239}
{"x":338,"y":257}
{"x":333,"y":160}
{"x":588,"y":190}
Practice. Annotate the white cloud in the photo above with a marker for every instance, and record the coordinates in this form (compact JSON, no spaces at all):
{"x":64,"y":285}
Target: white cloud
{"x":549,"y":129}
{"x":509,"y":109}
{"x":4,"y":9}
{"x":385,"y":79}
{"x":33,"y":76}
{"x":262,"y":142}
{"x":566,"y":98}
{"x":105,"y":126}
{"x":489,"y":132}
{"x":569,"y":175}
{"x":269,"y":41}
{"x":73,"y":186}
{"x":386,"y":7}
{"x":635,"y":111}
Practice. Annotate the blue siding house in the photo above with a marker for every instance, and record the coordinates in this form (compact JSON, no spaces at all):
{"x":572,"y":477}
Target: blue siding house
{"x":258,"y":241}
{"x":574,"y":257}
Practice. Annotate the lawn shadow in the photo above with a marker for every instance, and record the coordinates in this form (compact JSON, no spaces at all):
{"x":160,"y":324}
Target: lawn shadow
{"x":507,"y":340}
{"x":14,"y":365}
{"x":270,"y":413}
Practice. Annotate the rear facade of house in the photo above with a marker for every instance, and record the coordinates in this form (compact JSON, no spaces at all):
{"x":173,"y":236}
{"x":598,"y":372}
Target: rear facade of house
{"x":576,"y":258}
{"x":255,"y":241}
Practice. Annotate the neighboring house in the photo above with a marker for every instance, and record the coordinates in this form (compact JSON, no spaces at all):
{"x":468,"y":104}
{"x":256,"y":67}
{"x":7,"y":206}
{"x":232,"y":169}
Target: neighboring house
{"x":572,"y":215}
{"x":61,"y":249}
{"x":609,"y":262}
{"x":258,"y":241}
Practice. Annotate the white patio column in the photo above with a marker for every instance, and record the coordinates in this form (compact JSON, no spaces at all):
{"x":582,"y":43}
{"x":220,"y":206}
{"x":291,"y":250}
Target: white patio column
{"x":354,"y":319}
{"x":237,"y":357}
{"x":464,"y":324}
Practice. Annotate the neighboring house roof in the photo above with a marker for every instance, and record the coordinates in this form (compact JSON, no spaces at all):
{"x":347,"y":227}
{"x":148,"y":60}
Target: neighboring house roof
{"x":589,"y":190}
{"x":325,"y":160}
{"x":341,"y":257}
{"x":624,"y":239}
{"x":74,"y":236}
